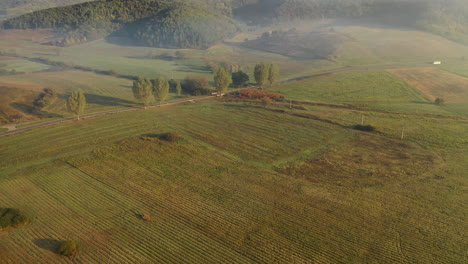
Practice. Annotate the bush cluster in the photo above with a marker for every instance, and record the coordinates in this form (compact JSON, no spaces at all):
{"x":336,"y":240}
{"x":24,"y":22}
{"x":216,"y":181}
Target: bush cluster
{"x":46,"y":98}
{"x":171,"y":137}
{"x":259,"y":94}
{"x":68,"y":248}
{"x":197,"y":85}
{"x":11,"y":217}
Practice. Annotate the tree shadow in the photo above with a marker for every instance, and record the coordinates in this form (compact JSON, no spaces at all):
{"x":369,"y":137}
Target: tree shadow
{"x":51,"y":245}
{"x":107,"y":100}
{"x":31,"y":110}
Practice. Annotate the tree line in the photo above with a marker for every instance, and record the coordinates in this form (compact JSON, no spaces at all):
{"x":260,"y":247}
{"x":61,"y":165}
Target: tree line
{"x":148,"y":91}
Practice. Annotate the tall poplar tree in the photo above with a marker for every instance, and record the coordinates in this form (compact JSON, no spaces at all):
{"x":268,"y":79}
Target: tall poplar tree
{"x":143,"y":91}
{"x":261,"y":73}
{"x":222,"y":80}
{"x":160,"y":89}
{"x":76,"y":103}
{"x":273,"y":73}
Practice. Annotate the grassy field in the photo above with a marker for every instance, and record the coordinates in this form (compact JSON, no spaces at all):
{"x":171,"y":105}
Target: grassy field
{"x":460,"y":69}
{"x":391,"y":90}
{"x":20,"y":65}
{"x":247,"y":184}
{"x":370,"y":44}
{"x":102,"y":92}
{"x":434,"y":83}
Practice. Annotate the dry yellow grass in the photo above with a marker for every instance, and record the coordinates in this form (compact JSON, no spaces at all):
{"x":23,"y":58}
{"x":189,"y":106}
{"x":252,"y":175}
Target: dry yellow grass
{"x":432,"y":83}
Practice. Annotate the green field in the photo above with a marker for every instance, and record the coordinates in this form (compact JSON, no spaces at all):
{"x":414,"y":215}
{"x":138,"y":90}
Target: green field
{"x":247,"y":184}
{"x":102,"y":93}
{"x":21,"y":65}
{"x":370,"y":89}
{"x":461,"y":69}
{"x":289,"y":182}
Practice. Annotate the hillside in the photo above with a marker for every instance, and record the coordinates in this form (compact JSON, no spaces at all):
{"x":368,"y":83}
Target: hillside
{"x":93,"y":20}
{"x":446,"y":18}
{"x":202,"y":23}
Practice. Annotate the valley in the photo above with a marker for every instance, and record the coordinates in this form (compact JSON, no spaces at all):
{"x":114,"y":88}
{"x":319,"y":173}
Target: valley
{"x":357,"y":152}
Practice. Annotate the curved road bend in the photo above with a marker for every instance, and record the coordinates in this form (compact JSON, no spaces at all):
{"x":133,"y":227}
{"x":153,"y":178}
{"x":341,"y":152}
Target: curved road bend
{"x":19,"y":130}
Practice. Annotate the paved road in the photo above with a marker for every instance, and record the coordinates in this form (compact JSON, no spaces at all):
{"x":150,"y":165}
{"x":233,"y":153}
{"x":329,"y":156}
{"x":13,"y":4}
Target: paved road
{"x":18,"y":130}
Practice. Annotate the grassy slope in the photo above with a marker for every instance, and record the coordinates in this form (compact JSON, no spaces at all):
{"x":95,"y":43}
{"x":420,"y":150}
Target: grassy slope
{"x":371,"y":45}
{"x":372,"y":89}
{"x":103,"y":92}
{"x":21,"y":65}
{"x":434,"y":83}
{"x":216,"y":191}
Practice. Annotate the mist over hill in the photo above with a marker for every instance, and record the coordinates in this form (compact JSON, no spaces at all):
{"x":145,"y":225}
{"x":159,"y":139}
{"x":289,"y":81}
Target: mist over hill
{"x":201,"y":23}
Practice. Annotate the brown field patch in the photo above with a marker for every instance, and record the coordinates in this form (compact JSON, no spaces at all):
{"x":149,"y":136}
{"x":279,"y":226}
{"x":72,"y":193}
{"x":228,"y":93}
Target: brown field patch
{"x":433,"y":83}
{"x":14,"y":104}
{"x":369,"y":160}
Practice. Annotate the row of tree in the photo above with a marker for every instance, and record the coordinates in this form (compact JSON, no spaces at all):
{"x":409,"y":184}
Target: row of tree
{"x":146,"y":91}
{"x":263,"y":73}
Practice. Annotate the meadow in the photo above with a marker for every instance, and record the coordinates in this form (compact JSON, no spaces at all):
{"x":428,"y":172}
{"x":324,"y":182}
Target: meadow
{"x":390,"y":90}
{"x":102,"y":93}
{"x":247,"y":184}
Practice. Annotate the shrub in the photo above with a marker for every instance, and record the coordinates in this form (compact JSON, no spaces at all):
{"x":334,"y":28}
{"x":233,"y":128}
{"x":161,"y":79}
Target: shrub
{"x":197,"y":85}
{"x":259,"y":94}
{"x":171,"y":136}
{"x":11,"y":217}
{"x":367,"y":128}
{"x":439,"y":101}
{"x":68,"y":248}
{"x":46,"y":98}
{"x":240,"y":79}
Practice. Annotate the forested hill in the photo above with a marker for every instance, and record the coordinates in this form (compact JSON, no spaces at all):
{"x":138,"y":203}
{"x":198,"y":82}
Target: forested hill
{"x":201,"y":23}
{"x":183,"y":23}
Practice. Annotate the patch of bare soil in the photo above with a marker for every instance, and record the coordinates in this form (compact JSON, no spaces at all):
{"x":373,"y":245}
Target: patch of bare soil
{"x":367,"y":160}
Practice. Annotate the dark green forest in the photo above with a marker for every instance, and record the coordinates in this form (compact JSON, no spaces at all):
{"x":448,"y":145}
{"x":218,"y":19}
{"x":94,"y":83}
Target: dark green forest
{"x":201,"y":23}
{"x":185,"y":27}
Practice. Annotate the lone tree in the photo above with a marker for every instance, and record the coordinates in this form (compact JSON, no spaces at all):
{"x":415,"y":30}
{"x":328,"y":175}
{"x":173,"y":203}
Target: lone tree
{"x":240,"y":79}
{"x":439,"y":101}
{"x":273,"y":73}
{"x":143,"y":91}
{"x":222,"y":80}
{"x":76,"y":103}
{"x":178,"y":88}
{"x":160,"y":89}
{"x":68,"y":248}
{"x":261,"y":73}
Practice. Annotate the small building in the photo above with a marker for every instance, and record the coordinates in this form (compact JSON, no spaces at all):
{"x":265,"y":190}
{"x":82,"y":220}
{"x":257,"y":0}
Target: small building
{"x":437,"y":62}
